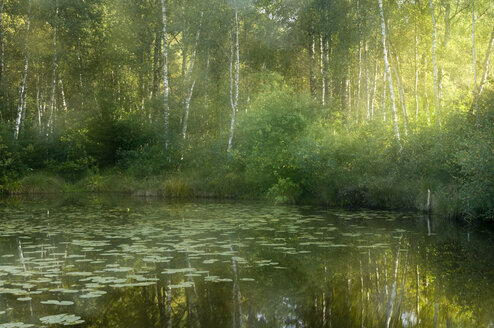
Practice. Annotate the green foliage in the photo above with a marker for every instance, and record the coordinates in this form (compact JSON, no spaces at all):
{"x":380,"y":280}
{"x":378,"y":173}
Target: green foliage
{"x":38,"y":183}
{"x":177,"y":187}
{"x":267,"y":135}
{"x":312,"y":126}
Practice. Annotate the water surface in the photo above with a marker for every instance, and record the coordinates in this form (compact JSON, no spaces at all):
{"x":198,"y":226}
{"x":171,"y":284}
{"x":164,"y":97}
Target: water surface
{"x":124,"y":263}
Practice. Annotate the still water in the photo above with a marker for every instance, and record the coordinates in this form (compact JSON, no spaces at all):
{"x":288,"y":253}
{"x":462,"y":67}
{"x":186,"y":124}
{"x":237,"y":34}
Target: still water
{"x":127,"y":263}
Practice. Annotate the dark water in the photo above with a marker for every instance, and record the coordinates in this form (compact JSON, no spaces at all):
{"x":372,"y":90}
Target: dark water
{"x":153,"y":264}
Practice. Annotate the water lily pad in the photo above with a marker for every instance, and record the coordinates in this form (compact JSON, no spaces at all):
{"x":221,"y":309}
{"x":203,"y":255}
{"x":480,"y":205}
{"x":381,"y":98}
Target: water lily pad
{"x":63,"y":319}
{"x":93,"y":294}
{"x":16,"y":325}
{"x":55,"y":302}
{"x":185,"y":284}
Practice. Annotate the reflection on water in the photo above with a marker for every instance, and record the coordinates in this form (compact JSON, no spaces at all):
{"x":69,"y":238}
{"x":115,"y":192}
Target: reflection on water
{"x":129,"y":264}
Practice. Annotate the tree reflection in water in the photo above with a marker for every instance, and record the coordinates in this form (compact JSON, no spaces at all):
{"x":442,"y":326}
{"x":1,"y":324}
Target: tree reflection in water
{"x":243,"y":265}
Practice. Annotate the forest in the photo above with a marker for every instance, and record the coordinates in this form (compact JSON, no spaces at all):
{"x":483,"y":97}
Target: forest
{"x":385,"y":104}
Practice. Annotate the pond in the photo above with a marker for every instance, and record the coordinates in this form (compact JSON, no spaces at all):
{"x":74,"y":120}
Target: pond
{"x":126,"y":263}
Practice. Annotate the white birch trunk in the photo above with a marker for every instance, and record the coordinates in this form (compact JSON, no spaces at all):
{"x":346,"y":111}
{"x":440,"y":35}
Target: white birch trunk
{"x":486,"y":64}
{"x":389,"y":311}
{"x":53,"y":74}
{"x":166,"y":109}
{"x":402,"y":97}
{"x":326,"y":69}
{"x":426,"y":94}
{"x":2,"y":50}
{"x":38,"y":103}
{"x":234,"y":97}
{"x":312,"y":73}
{"x":384,"y":96}
{"x":62,"y":93}
{"x":236,"y":295}
{"x":416,"y":70}
{"x":476,"y":95}
{"x":434,"y":63}
{"x":374,"y":89}
{"x":187,"y":106}
{"x":21,"y":108}
{"x":321,"y":66}
{"x":359,"y":82}
{"x":188,"y":73}
{"x":388,"y":73}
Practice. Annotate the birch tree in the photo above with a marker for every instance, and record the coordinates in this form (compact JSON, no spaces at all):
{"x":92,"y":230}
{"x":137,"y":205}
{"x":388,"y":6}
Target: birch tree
{"x":188,"y":73}
{"x":166,"y":109}
{"x":234,"y":95}
{"x":486,"y":63}
{"x":54,"y":73}
{"x":21,"y":108}
{"x":2,"y":3}
{"x":476,"y":95}
{"x":416,"y":59}
{"x":388,"y":73}
{"x":434,"y":63}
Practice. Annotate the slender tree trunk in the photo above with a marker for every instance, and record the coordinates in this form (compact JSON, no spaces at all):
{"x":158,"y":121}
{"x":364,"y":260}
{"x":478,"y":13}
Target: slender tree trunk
{"x":2,"y":3}
{"x":38,"y":100}
{"x":206,"y":86}
{"x":476,"y":95}
{"x":156,"y":64}
{"x":236,"y":295}
{"x":403,"y":280}
{"x":383,"y":100}
{"x":418,"y":292}
{"x":312,"y":59}
{"x":426,"y":94}
{"x":416,"y":69}
{"x":389,"y":312}
{"x":189,"y":72}
{"x":53,"y":73}
{"x":326,"y":70}
{"x":367,"y":81}
{"x":62,"y":93}
{"x":374,"y":89}
{"x":187,"y":106}
{"x":321,"y":66}
{"x":359,"y":81}
{"x":390,"y":78}
{"x":402,"y":95}
{"x":21,"y":108}
{"x":234,"y":96}
{"x":434,"y":62}
{"x":486,"y":64}
{"x":166,"y":109}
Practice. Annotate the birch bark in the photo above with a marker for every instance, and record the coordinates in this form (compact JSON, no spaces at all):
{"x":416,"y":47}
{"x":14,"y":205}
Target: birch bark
{"x":388,"y":73}
{"x":312,"y":71}
{"x":188,"y":73}
{"x":486,"y":63}
{"x":434,"y":63}
{"x":2,"y":3}
{"x":326,"y":84}
{"x":416,"y":69}
{"x":166,"y":109}
{"x":476,"y":95}
{"x":234,"y":97}
{"x":402,"y":95}
{"x":53,"y":73}
{"x":21,"y":108}
{"x":321,"y":66}
{"x":374,"y":89}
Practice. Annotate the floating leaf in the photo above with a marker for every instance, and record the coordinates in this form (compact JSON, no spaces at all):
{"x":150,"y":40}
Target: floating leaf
{"x":63,"y":319}
{"x":55,"y":302}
